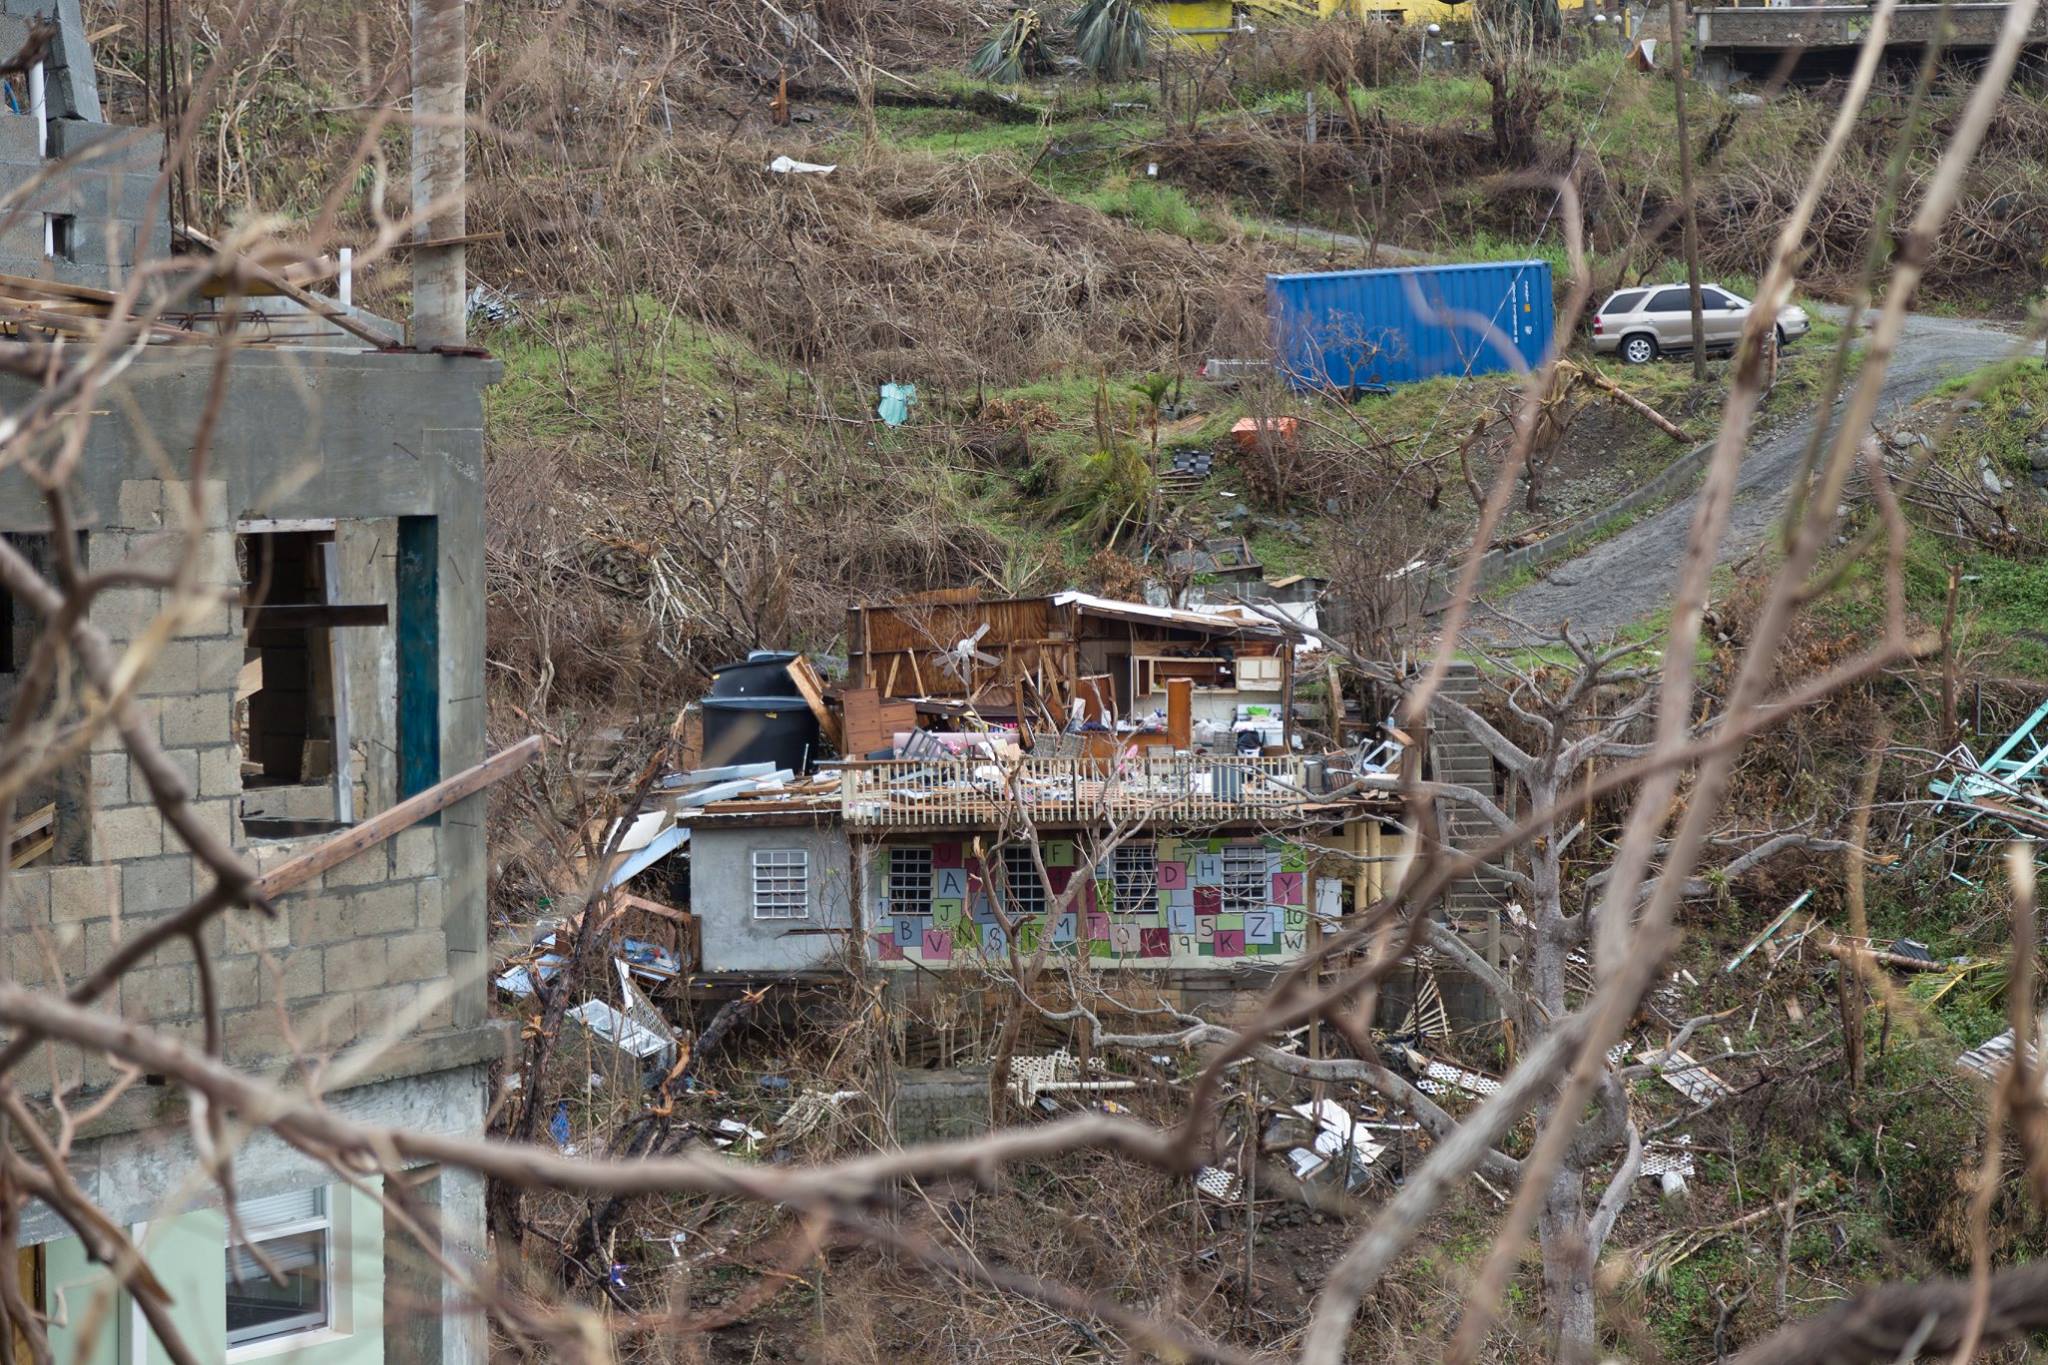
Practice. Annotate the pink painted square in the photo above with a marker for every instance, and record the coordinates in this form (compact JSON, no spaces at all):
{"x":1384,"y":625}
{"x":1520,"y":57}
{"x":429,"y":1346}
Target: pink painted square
{"x":1208,"y":900}
{"x":937,"y":945}
{"x":945,"y":855}
{"x":1289,"y":887}
{"x":1230,"y":943}
{"x":886,"y":949}
{"x":1173,"y":876}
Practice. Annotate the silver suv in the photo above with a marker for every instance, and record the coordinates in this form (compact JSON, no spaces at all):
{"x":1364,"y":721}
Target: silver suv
{"x":1643,"y":324}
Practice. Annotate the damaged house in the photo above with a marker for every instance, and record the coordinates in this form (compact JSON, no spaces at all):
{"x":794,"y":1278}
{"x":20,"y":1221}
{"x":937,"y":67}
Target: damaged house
{"x":1148,"y":754}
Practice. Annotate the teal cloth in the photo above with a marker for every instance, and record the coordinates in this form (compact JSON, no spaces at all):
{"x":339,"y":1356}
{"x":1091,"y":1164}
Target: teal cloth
{"x":896,"y":401}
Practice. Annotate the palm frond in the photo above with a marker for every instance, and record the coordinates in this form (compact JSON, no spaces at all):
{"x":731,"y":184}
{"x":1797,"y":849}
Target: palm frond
{"x":1111,"y":37}
{"x":1015,"y":50}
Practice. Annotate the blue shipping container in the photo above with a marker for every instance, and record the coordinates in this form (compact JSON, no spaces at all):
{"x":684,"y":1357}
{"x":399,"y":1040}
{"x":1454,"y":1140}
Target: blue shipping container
{"x":1352,"y":328}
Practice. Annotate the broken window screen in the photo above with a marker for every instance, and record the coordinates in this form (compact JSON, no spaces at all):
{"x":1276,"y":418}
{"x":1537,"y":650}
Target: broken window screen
{"x":292,"y":1235}
{"x":1023,"y":889}
{"x":1137,"y":875}
{"x":1244,"y":878}
{"x":910,"y":881}
{"x":782,"y":883}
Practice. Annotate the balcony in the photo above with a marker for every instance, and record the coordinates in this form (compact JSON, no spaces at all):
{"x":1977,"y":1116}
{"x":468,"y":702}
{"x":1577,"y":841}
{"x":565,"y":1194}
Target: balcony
{"x":1191,"y":790}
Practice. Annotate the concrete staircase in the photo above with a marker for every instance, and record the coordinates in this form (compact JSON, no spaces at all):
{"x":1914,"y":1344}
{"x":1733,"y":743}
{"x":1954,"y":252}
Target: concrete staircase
{"x":1475,"y":905}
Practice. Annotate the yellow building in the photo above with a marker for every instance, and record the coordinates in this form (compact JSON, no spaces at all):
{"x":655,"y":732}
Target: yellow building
{"x":1204,"y":23}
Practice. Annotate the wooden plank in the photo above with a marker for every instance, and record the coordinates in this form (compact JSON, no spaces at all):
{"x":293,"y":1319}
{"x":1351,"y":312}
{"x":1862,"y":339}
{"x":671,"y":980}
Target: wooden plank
{"x":267,"y":526}
{"x":27,"y":853}
{"x":56,"y":289}
{"x":36,"y":822}
{"x":334,"y":852}
{"x":862,"y":709}
{"x":811,"y":688}
{"x":315,"y":615}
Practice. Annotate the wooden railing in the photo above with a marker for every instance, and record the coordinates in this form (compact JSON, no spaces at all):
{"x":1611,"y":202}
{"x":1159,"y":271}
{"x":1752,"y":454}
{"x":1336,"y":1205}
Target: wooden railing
{"x":1145,"y":785}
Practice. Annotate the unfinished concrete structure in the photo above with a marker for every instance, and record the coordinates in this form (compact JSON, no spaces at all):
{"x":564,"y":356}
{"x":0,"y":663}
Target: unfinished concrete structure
{"x":1735,"y":41}
{"x":335,"y":670}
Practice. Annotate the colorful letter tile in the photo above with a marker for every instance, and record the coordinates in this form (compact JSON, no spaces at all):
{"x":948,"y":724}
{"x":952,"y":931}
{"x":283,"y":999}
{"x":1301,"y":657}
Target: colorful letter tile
{"x":1208,"y":869}
{"x":1208,"y":900}
{"x":1258,"y":925}
{"x":946,"y":855}
{"x":994,"y":942}
{"x":1154,"y":943}
{"x":1063,"y":928}
{"x":1058,"y":875}
{"x":1181,"y":918}
{"x":1294,"y":858}
{"x":1098,"y":925}
{"x":1173,"y":876}
{"x":937,"y":945}
{"x":1124,"y":939}
{"x":950,"y":883}
{"x":1289,"y":888}
{"x":1230,"y":943}
{"x":909,"y":929}
{"x":886,"y":948}
{"x":947,"y":914}
{"x":1059,"y":852}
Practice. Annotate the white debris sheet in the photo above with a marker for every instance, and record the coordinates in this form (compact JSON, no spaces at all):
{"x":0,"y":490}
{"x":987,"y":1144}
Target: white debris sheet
{"x":1667,"y":1158}
{"x":1686,"y":1076}
{"x":1989,"y":1058}
{"x":1219,"y":1184}
{"x":1441,"y":1078}
{"x":1337,"y":1131}
{"x":1032,"y":1077}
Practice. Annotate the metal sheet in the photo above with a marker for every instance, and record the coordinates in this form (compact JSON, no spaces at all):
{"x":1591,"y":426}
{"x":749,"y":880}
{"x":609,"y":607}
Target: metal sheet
{"x":1351,"y":328}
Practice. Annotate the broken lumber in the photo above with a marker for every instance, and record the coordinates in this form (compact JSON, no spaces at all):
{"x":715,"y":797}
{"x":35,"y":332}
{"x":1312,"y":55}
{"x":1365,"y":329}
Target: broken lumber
{"x":1846,"y":951}
{"x":804,"y":677}
{"x":312,"y":303}
{"x":1632,"y":403}
{"x":296,"y":872}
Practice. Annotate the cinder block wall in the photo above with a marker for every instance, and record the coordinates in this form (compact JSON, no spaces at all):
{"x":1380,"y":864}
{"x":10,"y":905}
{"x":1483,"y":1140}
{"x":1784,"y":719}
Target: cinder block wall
{"x":392,"y":942}
{"x":361,"y":948}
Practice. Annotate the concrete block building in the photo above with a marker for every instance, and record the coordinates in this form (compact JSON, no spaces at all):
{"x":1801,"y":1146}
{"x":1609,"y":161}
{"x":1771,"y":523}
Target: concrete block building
{"x":333,"y":668}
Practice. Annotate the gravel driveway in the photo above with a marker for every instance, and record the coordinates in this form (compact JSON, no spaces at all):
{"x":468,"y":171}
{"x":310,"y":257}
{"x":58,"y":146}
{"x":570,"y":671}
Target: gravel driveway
{"x":1631,"y":576}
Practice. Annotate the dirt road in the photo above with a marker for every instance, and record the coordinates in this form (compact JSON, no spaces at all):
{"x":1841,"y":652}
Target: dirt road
{"x":1631,"y":576}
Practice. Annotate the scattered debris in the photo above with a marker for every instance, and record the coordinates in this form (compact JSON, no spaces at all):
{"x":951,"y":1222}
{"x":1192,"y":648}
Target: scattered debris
{"x":784,"y":165}
{"x":1989,"y":1058}
{"x":1686,"y":1076}
{"x":1339,"y":1136}
{"x":897,"y":400}
{"x":1219,"y":1184}
{"x":1769,"y":929}
{"x":638,"y":1030}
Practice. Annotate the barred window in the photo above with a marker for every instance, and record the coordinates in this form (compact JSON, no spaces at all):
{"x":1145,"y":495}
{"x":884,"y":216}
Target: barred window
{"x":1023,"y":890}
{"x":1135,"y":865}
{"x":910,"y":881}
{"x":782,"y":883}
{"x":1245,"y":884}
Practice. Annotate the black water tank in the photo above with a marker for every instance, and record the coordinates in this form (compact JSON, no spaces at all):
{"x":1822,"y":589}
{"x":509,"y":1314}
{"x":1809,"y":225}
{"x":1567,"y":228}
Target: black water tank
{"x":778,"y":730}
{"x":764,"y":673}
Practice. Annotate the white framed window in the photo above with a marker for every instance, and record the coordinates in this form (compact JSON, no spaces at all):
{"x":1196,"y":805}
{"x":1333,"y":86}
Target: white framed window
{"x":1135,"y":866}
{"x":1245,"y":883}
{"x":292,"y":1235}
{"x":1023,"y":888}
{"x":910,"y":881}
{"x":782,"y":883}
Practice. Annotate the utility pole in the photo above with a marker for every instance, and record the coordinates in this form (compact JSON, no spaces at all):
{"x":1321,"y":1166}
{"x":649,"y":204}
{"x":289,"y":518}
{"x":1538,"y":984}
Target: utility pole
{"x":1692,"y":222}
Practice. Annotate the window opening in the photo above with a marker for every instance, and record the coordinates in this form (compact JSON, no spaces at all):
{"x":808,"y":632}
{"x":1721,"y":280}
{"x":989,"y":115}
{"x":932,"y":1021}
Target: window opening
{"x":1023,"y":888}
{"x":910,"y":881}
{"x":782,"y":883}
{"x":1244,"y":878}
{"x":295,"y":1235}
{"x":1136,"y":869}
